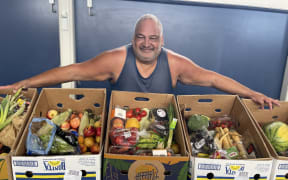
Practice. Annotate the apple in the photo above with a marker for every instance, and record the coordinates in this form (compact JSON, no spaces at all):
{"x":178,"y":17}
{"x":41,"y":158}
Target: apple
{"x":52,"y":113}
{"x":83,"y":148}
{"x":97,"y":139}
{"x":65,"y":126}
{"x":95,"y":149}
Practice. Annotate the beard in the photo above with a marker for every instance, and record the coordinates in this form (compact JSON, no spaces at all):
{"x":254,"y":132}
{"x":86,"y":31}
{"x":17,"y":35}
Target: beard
{"x":147,"y":55}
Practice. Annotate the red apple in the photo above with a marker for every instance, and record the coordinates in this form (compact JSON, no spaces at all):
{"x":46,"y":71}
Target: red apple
{"x":65,"y":126}
{"x":52,"y":113}
{"x":95,"y":149}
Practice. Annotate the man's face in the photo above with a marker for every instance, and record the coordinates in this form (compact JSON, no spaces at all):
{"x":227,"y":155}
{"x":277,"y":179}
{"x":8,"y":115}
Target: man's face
{"x":147,"y":41}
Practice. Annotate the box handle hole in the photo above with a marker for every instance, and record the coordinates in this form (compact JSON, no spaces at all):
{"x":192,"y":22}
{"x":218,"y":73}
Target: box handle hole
{"x":187,"y":109}
{"x":257,"y":176}
{"x":29,"y":173}
{"x":210,"y":176}
{"x":141,"y":99}
{"x":60,"y":105}
{"x":97,"y":105}
{"x":218,"y":110}
{"x":125,"y":172}
{"x":274,"y":117}
{"x":84,"y":173}
{"x":205,"y":100}
{"x":167,"y":173}
{"x":76,"y":96}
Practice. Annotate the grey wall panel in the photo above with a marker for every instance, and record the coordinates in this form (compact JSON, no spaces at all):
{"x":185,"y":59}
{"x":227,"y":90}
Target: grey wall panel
{"x":29,"y":42}
{"x":249,"y":46}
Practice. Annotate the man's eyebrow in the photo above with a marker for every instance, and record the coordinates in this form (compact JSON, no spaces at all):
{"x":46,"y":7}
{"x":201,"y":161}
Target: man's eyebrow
{"x":154,"y":36}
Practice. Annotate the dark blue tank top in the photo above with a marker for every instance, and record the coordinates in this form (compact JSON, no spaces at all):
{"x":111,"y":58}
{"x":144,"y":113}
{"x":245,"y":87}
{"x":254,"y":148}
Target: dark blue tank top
{"x":131,"y":80}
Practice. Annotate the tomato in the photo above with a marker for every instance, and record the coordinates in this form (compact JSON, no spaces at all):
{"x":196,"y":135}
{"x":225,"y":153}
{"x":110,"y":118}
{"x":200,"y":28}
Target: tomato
{"x":119,"y":140}
{"x":129,"y":113}
{"x":138,"y":117}
{"x":137,"y":110}
{"x":143,"y":113}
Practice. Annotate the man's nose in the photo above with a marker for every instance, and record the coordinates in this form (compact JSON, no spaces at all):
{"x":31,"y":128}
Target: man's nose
{"x":146,"y":42}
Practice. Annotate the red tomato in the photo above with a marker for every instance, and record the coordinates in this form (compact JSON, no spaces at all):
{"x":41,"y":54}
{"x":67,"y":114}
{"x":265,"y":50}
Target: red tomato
{"x":138,"y":117}
{"x":129,"y":113}
{"x":137,"y":110}
{"x":119,"y":140}
{"x":143,"y":113}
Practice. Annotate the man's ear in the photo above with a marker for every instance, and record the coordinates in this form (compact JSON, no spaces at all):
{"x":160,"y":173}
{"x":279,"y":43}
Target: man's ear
{"x":162,"y":41}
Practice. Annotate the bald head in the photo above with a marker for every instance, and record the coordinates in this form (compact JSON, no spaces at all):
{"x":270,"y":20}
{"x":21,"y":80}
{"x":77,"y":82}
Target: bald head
{"x":152,"y":17}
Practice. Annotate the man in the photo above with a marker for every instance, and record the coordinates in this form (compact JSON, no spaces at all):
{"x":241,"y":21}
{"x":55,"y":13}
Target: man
{"x":143,"y":66}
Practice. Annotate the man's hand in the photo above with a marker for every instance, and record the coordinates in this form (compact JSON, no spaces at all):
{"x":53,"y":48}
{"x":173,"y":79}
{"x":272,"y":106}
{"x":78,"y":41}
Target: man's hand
{"x":262,"y":100}
{"x":16,"y":86}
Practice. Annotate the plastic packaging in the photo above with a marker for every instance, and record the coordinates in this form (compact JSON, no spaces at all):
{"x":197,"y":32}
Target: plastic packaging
{"x":40,"y":136}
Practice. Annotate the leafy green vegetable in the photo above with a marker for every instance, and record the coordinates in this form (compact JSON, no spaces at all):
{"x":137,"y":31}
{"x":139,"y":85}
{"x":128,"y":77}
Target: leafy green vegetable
{"x":198,"y":122}
{"x":7,"y":108}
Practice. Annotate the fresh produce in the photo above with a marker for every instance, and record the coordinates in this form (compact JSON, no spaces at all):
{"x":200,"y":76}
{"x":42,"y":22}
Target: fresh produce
{"x":230,"y":141}
{"x":145,"y":122}
{"x":67,"y":136}
{"x":75,"y":122}
{"x":197,"y":122}
{"x":175,"y":147}
{"x":224,"y":121}
{"x":83,"y":123}
{"x":65,"y":126}
{"x":137,"y":113}
{"x":9,"y":109}
{"x":61,"y":146}
{"x":62,"y":117}
{"x":132,"y":122}
{"x":124,"y":137}
{"x":76,"y":129}
{"x":89,"y":141}
{"x":172,"y":124}
{"x":51,"y":113}
{"x":142,"y":131}
{"x":277,"y":134}
{"x":202,"y":142}
{"x":117,"y":123}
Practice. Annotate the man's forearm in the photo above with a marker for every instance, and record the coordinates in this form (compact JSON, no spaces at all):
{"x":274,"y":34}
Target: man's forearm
{"x":48,"y":78}
{"x":231,"y":86}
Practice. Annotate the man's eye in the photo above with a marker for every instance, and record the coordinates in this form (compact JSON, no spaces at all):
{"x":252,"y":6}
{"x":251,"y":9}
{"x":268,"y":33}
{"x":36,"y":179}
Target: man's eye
{"x":139,"y":37}
{"x":154,"y":38}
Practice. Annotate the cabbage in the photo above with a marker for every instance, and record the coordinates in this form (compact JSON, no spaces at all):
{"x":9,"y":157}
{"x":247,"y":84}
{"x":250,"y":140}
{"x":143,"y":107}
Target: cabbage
{"x":277,"y":133}
{"x":197,"y":122}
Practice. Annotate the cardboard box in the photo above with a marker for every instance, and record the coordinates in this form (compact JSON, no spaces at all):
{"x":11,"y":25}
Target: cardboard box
{"x":262,"y":117}
{"x":215,"y":106}
{"x":60,"y":166}
{"x":5,"y":161}
{"x":119,"y":166}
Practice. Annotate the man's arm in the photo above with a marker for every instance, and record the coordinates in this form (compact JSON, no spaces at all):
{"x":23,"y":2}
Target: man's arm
{"x":186,"y":71}
{"x":99,"y":68}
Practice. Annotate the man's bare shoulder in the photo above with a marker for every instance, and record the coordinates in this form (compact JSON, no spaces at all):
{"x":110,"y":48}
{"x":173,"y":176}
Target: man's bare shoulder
{"x":177,"y":59}
{"x":116,"y":54}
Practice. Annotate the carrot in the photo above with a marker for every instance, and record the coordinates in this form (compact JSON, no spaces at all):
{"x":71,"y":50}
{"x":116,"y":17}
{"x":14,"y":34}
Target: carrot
{"x":75,"y":122}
